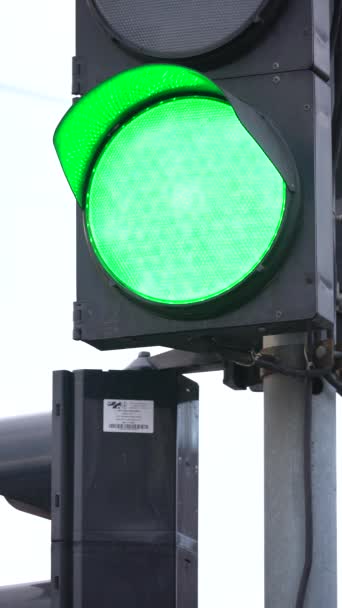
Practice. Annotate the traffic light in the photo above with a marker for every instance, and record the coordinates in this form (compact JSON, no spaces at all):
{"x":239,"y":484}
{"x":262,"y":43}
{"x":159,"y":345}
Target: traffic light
{"x":124,"y":489}
{"x":199,"y":152}
{"x":115,"y":468}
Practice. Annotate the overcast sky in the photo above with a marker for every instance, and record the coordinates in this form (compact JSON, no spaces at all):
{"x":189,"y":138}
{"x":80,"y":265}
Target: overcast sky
{"x":37,"y":251}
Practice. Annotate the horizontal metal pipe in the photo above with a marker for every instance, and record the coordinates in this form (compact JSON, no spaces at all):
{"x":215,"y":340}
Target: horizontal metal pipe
{"x":31,"y":595}
{"x":25,"y":462}
{"x":25,"y":444}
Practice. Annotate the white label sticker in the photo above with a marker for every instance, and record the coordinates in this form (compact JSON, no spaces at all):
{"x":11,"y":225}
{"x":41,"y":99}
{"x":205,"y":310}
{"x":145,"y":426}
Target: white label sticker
{"x":128,"y":416}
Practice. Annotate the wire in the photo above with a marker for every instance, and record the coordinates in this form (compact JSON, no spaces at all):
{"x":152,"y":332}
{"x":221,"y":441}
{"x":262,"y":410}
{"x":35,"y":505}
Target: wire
{"x":324,"y":373}
{"x":269,"y":363}
{"x":307,"y":495}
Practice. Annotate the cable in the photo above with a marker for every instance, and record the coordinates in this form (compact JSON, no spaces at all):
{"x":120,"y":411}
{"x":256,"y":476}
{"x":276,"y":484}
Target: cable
{"x":307,"y":495}
{"x":269,"y":363}
{"x":324,"y":373}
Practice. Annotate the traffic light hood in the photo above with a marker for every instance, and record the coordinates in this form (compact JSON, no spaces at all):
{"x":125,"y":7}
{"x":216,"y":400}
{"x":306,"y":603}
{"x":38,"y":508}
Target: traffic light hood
{"x":89,"y":122}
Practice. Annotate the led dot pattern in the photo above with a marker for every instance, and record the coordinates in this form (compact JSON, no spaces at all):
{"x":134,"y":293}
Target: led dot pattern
{"x":178,"y":28}
{"x":83,"y":128}
{"x":183,"y":204}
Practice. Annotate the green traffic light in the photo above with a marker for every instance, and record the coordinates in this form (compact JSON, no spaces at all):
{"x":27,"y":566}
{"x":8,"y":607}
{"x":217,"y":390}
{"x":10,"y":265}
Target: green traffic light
{"x":181,"y":203}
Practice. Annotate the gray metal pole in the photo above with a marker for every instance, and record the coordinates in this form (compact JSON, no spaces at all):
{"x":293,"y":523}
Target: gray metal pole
{"x":291,"y":501}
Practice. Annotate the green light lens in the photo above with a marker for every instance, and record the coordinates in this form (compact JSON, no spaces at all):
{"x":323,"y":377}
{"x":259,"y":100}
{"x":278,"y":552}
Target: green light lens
{"x":183,"y":204}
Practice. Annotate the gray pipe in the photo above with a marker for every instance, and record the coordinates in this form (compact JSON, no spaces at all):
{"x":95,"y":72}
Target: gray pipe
{"x":25,"y":463}
{"x":31,"y":595}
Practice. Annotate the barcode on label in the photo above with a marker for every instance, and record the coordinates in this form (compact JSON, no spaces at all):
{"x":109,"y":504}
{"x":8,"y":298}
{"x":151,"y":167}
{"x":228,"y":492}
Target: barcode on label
{"x":128,"y":427}
{"x":128,"y":416}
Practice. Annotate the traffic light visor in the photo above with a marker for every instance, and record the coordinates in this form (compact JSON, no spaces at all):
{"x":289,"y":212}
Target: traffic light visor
{"x":87,"y":124}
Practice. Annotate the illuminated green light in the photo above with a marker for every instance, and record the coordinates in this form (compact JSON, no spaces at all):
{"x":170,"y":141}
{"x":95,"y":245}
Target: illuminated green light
{"x":183,"y":204}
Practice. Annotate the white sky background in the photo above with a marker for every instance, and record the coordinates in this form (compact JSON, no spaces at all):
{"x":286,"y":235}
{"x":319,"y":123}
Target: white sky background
{"x":38,"y":271}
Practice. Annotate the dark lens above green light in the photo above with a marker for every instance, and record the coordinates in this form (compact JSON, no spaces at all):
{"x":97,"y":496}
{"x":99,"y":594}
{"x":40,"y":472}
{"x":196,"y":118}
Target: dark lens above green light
{"x":183,"y":204}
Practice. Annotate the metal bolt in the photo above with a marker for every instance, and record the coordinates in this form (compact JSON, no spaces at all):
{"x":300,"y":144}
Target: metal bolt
{"x":321,"y":351}
{"x":279,"y":314}
{"x":275,"y":65}
{"x":276,"y":79}
{"x":307,"y":107}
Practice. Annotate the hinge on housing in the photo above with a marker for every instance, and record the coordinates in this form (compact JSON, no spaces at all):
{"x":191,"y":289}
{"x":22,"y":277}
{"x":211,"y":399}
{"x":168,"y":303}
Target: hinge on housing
{"x":78,"y":65}
{"x":78,"y":318}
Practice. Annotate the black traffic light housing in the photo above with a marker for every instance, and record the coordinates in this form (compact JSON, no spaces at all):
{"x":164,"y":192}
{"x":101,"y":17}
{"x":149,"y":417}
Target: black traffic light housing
{"x":288,"y":84}
{"x":281,"y":36}
{"x":115,"y":468}
{"x":124,"y":502}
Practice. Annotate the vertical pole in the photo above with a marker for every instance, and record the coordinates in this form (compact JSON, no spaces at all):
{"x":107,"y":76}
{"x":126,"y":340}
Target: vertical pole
{"x":300,"y":486}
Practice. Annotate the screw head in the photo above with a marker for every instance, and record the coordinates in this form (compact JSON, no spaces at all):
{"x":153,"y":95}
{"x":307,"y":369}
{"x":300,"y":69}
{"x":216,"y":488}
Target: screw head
{"x":321,"y":351}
